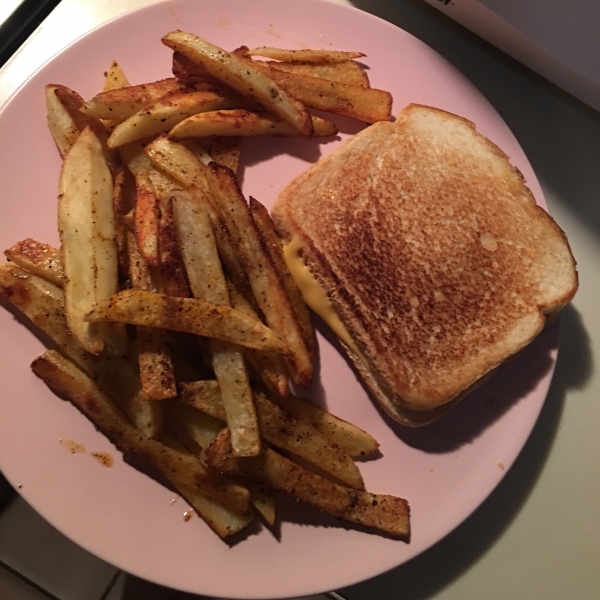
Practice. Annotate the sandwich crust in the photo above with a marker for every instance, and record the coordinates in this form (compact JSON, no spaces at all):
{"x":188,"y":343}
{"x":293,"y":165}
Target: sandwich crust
{"x":433,"y":253}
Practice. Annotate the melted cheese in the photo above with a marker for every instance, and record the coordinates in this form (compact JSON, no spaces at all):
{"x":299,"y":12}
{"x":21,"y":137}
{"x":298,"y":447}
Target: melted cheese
{"x":315,"y":296}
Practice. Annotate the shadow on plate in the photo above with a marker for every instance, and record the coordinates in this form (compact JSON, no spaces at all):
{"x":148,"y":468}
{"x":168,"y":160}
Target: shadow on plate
{"x":473,"y":415}
{"x":436,"y":568}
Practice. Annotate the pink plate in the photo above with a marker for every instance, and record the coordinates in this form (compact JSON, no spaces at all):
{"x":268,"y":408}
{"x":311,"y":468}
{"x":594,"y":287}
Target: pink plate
{"x":445,"y":470}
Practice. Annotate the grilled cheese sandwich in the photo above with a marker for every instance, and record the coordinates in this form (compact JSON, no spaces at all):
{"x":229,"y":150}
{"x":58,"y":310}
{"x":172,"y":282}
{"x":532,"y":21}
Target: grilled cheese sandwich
{"x":422,"y":248}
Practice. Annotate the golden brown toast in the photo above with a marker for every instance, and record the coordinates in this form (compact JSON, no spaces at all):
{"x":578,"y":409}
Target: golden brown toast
{"x":433,"y":253}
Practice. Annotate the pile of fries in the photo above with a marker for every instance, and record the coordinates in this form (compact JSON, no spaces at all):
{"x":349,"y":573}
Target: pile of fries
{"x":177,"y":325}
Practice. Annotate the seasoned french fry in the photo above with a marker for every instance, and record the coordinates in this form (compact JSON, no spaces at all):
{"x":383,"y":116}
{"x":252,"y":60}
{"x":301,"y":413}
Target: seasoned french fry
{"x":348,"y":72}
{"x":230,"y":370}
{"x":146,"y":219}
{"x":226,"y":151}
{"x":196,"y":429}
{"x":115,"y":78}
{"x":237,"y":74}
{"x":183,"y":471}
{"x":122,"y":103}
{"x":264,"y":280}
{"x":156,"y":368}
{"x":241,"y":122}
{"x":263,"y":501}
{"x":365,"y":104}
{"x":203,"y":266}
{"x":274,"y":246}
{"x":43,"y":303}
{"x":154,"y":357}
{"x":134,"y":156}
{"x":138,"y":307}
{"x":38,"y":258}
{"x":172,"y":269}
{"x":267,"y":365}
{"x":184,"y":166}
{"x":166,"y":113}
{"x":386,"y":513}
{"x":353,"y":440}
{"x":120,"y":209}
{"x":73,"y":103}
{"x":305,"y":55}
{"x":141,"y":274}
{"x":280,"y":429}
{"x":87,"y":231}
{"x":198,"y":150}
{"x":199,"y":252}
{"x":63,"y":128}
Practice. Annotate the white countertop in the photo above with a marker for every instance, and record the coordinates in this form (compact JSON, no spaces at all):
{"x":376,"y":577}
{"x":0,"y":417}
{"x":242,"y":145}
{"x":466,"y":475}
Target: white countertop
{"x":537,"y":536}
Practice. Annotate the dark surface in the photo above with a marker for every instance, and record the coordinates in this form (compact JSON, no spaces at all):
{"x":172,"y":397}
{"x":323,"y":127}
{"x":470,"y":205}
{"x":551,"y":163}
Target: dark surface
{"x":21,"y":24}
{"x":6,"y":491}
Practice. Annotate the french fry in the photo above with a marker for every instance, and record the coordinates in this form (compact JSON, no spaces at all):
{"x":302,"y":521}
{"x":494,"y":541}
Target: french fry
{"x":199,"y":252}
{"x":350,"y":438}
{"x":147,"y":219}
{"x":241,"y":122}
{"x":203,"y":266}
{"x":230,"y":370}
{"x":183,"y":165}
{"x":119,"y":377}
{"x":38,"y":258}
{"x":115,"y":78}
{"x":63,"y":128}
{"x":305,"y":55}
{"x":122,"y":103}
{"x":237,"y":74}
{"x":226,"y":151}
{"x":264,"y":280}
{"x":172,"y":269}
{"x":135,"y":158}
{"x":386,"y":513}
{"x":365,"y":104}
{"x":267,"y":365}
{"x":166,"y":113}
{"x":183,"y":471}
{"x":43,"y":303}
{"x":274,"y":246}
{"x":280,"y":429}
{"x":120,"y":209}
{"x":73,"y":103}
{"x":141,"y":275}
{"x":87,"y":231}
{"x":138,"y":307}
{"x":348,"y":72}
{"x":156,"y":368}
{"x":263,"y":501}
{"x":196,"y":429}
{"x":198,"y":150}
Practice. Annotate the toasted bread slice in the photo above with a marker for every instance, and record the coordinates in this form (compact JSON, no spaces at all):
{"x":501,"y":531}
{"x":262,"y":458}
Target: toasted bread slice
{"x":433,"y":253}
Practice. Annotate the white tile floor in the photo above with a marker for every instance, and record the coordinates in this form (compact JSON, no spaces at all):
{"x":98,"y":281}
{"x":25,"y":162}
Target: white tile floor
{"x":38,"y":563}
